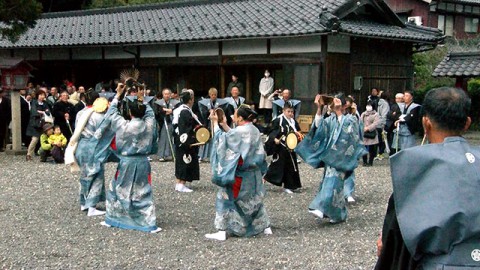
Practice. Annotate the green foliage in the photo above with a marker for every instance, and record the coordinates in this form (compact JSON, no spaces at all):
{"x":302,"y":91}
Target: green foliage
{"x":17,"y":16}
{"x":474,"y":92}
{"x":474,"y":87}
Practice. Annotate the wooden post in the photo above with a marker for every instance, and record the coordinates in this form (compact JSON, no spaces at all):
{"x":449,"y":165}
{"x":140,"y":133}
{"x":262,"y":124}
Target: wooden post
{"x":222,"y":81}
{"x":248,"y":92}
{"x":16,"y":125}
{"x":324,"y":65}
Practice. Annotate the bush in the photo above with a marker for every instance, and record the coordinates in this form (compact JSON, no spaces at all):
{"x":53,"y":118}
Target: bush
{"x":474,"y":92}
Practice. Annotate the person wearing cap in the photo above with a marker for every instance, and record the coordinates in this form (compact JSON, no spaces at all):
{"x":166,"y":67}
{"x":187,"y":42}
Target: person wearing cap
{"x":283,"y":170}
{"x":45,"y":145}
{"x":334,"y":143}
{"x":433,"y":215}
{"x":238,"y":163}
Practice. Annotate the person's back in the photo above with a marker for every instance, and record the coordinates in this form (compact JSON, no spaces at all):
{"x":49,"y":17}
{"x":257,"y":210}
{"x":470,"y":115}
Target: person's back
{"x":433,"y":217}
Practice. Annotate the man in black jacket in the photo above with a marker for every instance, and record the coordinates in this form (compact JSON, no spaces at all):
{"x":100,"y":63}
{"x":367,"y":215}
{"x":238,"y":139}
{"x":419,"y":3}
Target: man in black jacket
{"x":62,"y":111}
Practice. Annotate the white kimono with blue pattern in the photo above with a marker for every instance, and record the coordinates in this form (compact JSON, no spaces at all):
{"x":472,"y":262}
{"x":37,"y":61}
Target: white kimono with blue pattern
{"x":239,"y":153}
{"x":129,"y":196}
{"x":91,"y":154}
{"x":336,"y":144}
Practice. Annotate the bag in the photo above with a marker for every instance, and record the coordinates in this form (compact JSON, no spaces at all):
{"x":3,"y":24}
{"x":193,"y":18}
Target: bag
{"x":47,"y":118}
{"x":38,"y":122}
{"x":370,"y":134}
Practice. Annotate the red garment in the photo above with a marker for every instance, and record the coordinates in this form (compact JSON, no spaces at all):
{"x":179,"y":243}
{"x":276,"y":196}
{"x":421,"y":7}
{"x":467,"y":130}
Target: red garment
{"x":113,"y":144}
{"x":238,"y":181}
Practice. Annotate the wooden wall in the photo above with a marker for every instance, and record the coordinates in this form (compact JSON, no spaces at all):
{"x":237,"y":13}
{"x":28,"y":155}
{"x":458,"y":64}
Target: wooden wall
{"x":386,"y":65}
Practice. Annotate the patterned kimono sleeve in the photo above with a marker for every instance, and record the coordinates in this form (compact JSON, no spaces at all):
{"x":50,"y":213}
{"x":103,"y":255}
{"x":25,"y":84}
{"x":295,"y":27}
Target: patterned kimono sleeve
{"x":151,"y":125}
{"x":314,"y":145}
{"x":115,"y":119}
{"x":224,"y":157}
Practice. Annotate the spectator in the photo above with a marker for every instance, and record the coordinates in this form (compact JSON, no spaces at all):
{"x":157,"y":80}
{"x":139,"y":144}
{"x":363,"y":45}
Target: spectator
{"x":383,"y":109}
{"x":409,"y":123}
{"x":370,"y":120}
{"x":58,"y":143}
{"x":433,"y":218}
{"x":25,"y":100}
{"x":234,"y":83}
{"x":45,"y":145}
{"x":5,"y":118}
{"x":38,"y":111}
{"x":61,"y":113}
{"x":393,"y":115}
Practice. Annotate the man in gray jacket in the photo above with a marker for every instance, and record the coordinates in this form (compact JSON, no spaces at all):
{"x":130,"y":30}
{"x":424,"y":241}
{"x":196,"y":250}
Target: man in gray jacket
{"x":382,"y":110}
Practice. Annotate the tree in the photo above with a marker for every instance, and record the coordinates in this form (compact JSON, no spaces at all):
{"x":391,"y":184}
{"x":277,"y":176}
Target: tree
{"x":16,"y":16}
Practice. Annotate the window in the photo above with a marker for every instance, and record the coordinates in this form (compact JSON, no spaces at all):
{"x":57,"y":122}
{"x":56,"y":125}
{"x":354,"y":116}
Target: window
{"x":445,"y":23}
{"x":471,"y":25}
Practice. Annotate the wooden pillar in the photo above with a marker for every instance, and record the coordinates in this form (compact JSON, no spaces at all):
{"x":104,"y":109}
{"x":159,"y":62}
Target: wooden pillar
{"x":16,"y":125}
{"x":222,"y":81}
{"x":324,"y":65}
{"x":248,"y":92}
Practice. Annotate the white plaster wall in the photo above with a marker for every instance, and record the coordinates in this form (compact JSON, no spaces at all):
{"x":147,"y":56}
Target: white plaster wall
{"x":296,"y":45}
{"x":55,"y":54}
{"x":198,"y":49}
{"x":87,"y":53}
{"x":239,"y":47}
{"x":152,"y":51}
{"x":339,"y":44}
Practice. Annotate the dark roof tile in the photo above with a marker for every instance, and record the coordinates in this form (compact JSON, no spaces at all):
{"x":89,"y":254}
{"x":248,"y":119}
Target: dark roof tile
{"x":200,"y":20}
{"x":459,"y":64}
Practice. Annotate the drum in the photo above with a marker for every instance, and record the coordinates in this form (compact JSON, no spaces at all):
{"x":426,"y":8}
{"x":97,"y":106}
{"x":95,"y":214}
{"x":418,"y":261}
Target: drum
{"x":291,"y":141}
{"x":202,"y":134}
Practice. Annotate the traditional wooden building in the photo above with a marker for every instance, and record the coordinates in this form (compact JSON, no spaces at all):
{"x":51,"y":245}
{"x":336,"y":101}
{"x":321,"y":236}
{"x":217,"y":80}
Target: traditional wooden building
{"x":459,"y":65}
{"x":455,"y":18}
{"x":309,"y":46}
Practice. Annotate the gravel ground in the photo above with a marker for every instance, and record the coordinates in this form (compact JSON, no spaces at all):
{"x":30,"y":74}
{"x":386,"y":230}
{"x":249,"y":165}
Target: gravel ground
{"x":43,"y":227}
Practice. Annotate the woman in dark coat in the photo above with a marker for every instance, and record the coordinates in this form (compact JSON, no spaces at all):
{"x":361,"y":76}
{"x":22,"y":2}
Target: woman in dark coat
{"x":39,"y":108}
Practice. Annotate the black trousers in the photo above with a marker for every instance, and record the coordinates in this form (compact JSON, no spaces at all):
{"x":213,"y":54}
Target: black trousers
{"x":372,"y":152}
{"x":381,"y":143}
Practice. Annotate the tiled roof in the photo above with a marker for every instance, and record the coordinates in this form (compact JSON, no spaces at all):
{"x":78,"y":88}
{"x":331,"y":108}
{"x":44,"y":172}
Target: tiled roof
{"x":375,"y":29}
{"x":471,"y":2}
{"x":198,"y":20}
{"x":10,"y":62}
{"x":461,"y":64}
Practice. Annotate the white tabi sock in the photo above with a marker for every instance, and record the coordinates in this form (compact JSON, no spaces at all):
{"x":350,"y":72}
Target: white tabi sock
{"x":92,"y":211}
{"x":156,"y":230}
{"x":350,"y":199}
{"x":103,"y":223}
{"x":288,"y":191}
{"x":220,"y":236}
{"x":317,"y":213}
{"x":186,"y":189}
{"x":268,"y":231}
{"x":83,"y":208}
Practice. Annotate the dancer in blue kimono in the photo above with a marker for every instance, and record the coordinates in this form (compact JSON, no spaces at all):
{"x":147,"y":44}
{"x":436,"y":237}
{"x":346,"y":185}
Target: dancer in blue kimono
{"x":91,"y":152}
{"x":129,"y":196}
{"x":238,"y":163}
{"x":335,"y":143}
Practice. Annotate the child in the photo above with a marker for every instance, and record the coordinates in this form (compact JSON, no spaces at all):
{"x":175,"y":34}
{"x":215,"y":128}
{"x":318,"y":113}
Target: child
{"x":58,"y":142}
{"x":284,"y":167}
{"x":45,"y":145}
